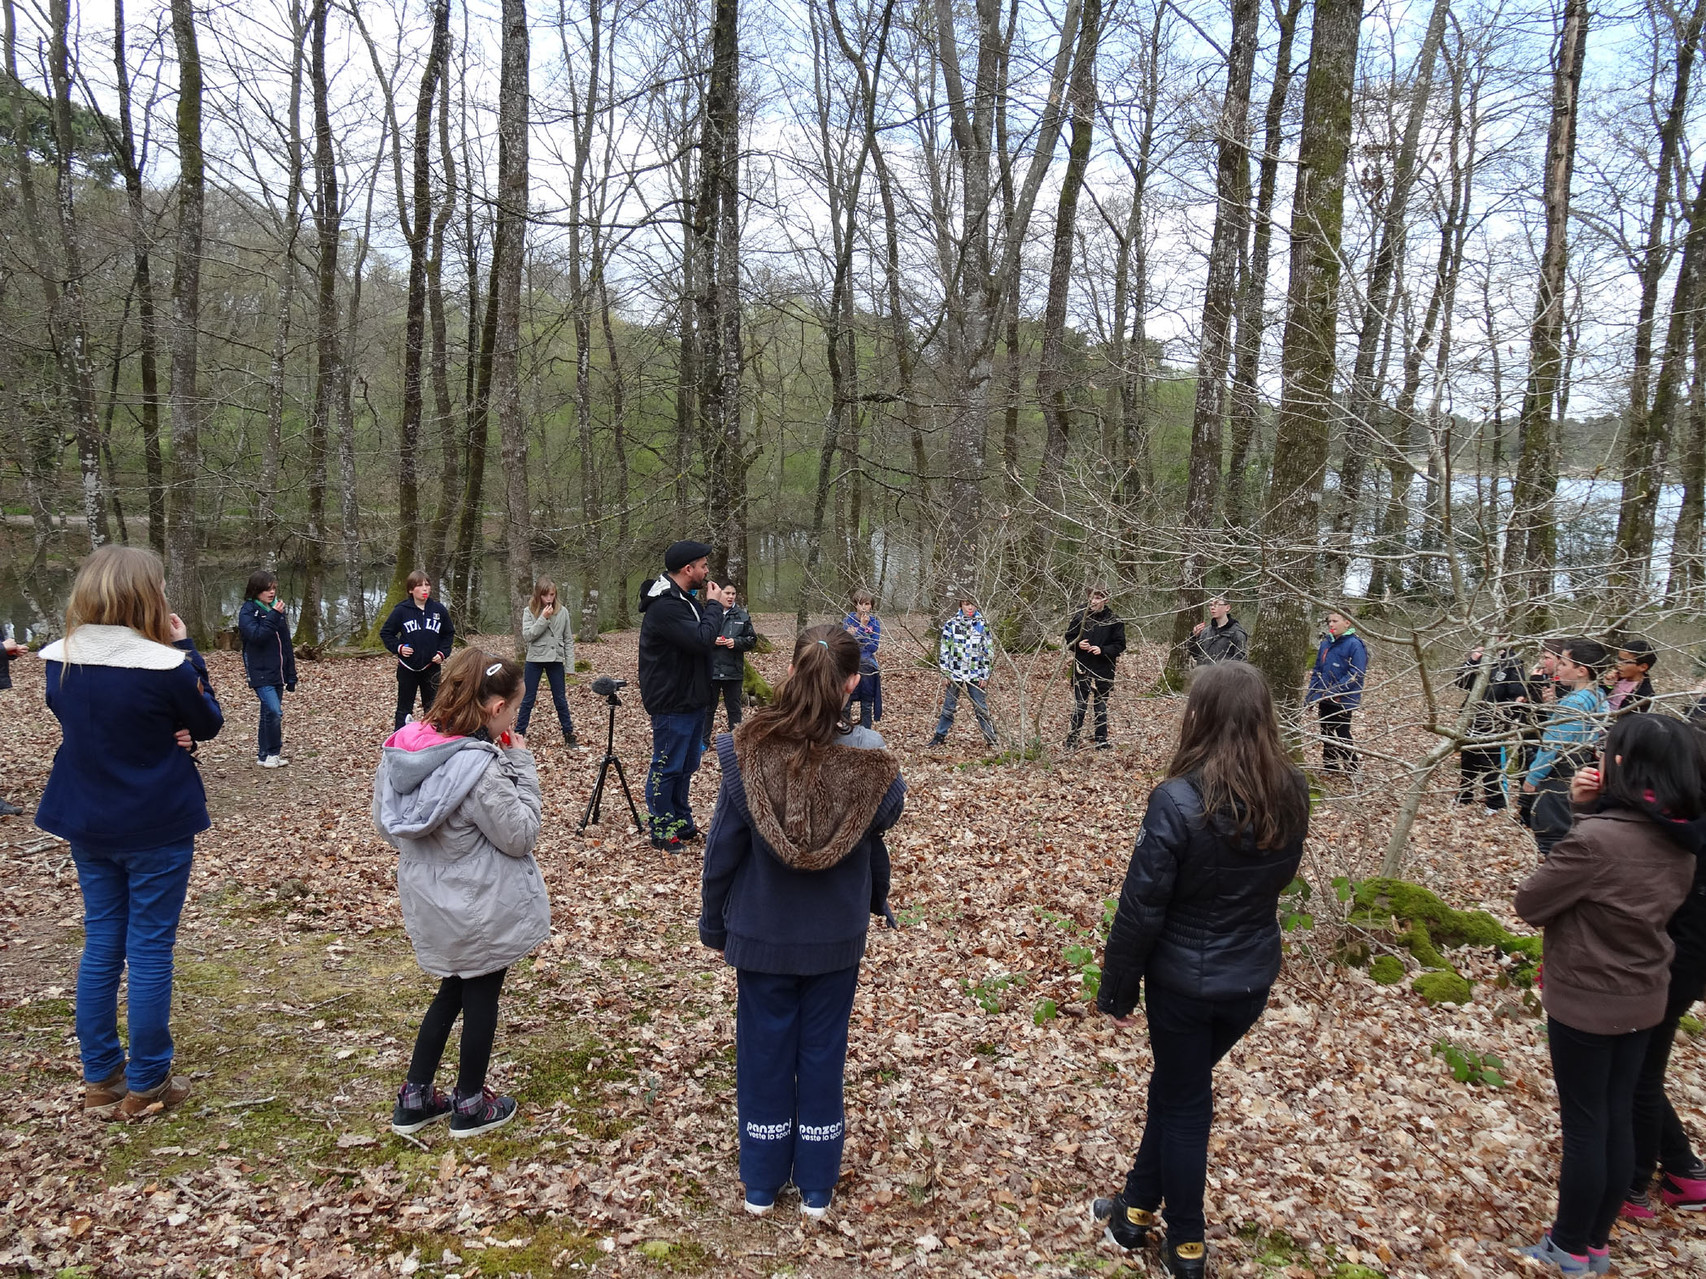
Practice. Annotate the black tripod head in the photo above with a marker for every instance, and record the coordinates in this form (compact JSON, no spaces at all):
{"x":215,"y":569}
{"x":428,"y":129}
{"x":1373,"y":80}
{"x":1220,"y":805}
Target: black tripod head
{"x":607,"y":687}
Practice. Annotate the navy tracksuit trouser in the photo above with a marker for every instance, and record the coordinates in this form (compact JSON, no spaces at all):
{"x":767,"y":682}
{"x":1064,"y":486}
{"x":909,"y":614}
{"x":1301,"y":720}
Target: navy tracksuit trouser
{"x":790,"y":1051}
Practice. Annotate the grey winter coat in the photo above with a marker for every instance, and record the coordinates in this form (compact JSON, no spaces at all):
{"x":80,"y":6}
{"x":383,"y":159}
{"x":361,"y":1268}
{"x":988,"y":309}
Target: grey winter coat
{"x":549,"y":639}
{"x":464,"y":816}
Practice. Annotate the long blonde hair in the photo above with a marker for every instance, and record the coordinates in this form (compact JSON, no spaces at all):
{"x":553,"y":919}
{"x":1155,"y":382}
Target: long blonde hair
{"x":121,"y":586}
{"x":536,"y":605}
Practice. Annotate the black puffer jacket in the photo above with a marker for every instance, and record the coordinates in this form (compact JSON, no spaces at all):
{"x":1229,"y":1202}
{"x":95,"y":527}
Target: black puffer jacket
{"x":677,"y":637}
{"x":1199,"y":911}
{"x":1104,"y":631}
{"x":1228,"y":643}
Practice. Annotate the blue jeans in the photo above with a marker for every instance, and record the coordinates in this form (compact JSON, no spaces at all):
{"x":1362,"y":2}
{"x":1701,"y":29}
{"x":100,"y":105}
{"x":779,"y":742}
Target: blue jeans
{"x":677,"y":742}
{"x":790,"y":1051}
{"x":272,"y":721}
{"x":979,"y":703}
{"x":1188,"y":1036}
{"x":553,"y":672}
{"x":131,"y":904}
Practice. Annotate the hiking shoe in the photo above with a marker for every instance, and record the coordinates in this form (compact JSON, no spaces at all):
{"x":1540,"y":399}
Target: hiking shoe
{"x":938,"y":740}
{"x":571,"y":742}
{"x":1070,"y":744}
{"x":1104,"y":746}
{"x":1638,"y":1207}
{"x":480,"y":1113}
{"x":152,"y":1101}
{"x":9,"y":809}
{"x":1130,"y":1228}
{"x":759,"y":1202}
{"x":1686,"y":1194}
{"x":1568,"y":1263}
{"x":1186,"y":1260}
{"x":671,"y":845}
{"x":417,"y":1106}
{"x":100,"y":1101}
{"x":815,"y":1203}
{"x":1599,"y":1260}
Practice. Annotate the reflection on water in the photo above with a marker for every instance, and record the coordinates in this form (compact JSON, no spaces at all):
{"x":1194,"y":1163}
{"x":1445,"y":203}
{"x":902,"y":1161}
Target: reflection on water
{"x":774,"y":582}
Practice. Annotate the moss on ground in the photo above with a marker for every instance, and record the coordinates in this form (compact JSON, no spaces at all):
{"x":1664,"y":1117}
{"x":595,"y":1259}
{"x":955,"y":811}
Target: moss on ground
{"x":1388,"y":970}
{"x":1426,"y":927}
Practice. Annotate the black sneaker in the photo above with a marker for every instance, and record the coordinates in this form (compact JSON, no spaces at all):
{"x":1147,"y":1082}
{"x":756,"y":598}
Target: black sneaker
{"x":9,"y":809}
{"x":431,"y":1106}
{"x":480,"y":1114}
{"x":1185,"y":1260}
{"x":1070,"y":744}
{"x":938,"y":740}
{"x":1104,"y":746}
{"x":1130,"y":1228}
{"x":572,"y":742}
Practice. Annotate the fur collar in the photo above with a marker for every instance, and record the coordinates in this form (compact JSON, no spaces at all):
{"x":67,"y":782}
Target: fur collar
{"x":114,"y":646}
{"x":812,"y":821}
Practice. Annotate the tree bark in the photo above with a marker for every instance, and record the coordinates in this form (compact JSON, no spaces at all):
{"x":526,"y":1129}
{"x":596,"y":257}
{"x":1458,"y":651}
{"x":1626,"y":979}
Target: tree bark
{"x":509,"y":250}
{"x":183,"y":565}
{"x":1291,"y":530}
{"x":1231,"y":218}
{"x":1531,"y":538}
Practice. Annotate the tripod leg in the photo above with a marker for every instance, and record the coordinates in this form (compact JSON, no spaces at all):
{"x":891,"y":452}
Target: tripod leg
{"x":597,"y":800}
{"x":632,"y":807}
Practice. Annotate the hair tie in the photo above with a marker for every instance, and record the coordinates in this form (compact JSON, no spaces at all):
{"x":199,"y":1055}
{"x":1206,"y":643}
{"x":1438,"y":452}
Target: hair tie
{"x":824,"y":643}
{"x":493,"y":669}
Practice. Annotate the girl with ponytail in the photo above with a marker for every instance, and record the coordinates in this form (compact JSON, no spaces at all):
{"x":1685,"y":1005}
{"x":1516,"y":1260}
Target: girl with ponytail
{"x":458,"y":796}
{"x":795,"y":866}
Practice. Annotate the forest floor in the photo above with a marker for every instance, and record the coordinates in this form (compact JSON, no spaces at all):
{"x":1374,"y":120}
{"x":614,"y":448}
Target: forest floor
{"x":978,"y":1131}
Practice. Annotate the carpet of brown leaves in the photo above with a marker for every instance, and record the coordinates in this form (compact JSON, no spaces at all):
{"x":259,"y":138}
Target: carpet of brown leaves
{"x":977,"y":1137}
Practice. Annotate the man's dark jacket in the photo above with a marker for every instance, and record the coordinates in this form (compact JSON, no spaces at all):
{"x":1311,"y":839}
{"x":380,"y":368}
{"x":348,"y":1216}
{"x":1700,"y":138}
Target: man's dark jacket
{"x":730,"y":663}
{"x":1104,"y":631}
{"x":677,"y":637}
{"x":1228,"y":643}
{"x":1199,"y":911}
{"x":1507,"y":687}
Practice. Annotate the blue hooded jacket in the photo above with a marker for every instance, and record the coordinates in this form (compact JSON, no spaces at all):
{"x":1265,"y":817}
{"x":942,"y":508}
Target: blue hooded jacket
{"x":267,"y":656}
{"x":1340,"y":665}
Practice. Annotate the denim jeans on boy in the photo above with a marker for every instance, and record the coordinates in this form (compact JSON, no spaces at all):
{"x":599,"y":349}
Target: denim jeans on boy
{"x":790,"y":1051}
{"x":979,"y":703}
{"x":131,"y":904}
{"x":677,"y":742}
{"x":553,"y":673}
{"x":272,"y":721}
{"x":1188,"y":1036}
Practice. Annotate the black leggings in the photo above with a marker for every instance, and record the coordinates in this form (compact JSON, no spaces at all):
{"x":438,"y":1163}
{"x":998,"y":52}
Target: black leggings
{"x":1596,"y":1076}
{"x":476,"y":998}
{"x":411,"y":682}
{"x":1660,"y":1138}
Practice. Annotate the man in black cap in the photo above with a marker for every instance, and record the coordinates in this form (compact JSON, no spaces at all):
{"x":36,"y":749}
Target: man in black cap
{"x":678,"y":634}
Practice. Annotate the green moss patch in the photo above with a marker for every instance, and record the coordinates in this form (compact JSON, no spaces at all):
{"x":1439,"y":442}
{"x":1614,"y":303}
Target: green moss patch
{"x":1425,"y":926}
{"x":1448,"y":987}
{"x":1388,"y":970}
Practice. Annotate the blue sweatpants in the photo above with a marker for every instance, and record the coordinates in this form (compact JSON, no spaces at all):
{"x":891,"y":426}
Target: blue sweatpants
{"x":790,"y":1051}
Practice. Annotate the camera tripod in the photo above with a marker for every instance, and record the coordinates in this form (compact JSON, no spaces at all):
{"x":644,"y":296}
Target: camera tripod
{"x":604,"y":766}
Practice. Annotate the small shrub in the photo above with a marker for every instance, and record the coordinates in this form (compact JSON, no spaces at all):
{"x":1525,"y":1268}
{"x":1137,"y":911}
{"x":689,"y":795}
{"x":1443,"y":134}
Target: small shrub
{"x":1388,"y":970}
{"x":1046,"y":1010}
{"x":1470,"y":1067}
{"x":1291,"y":905}
{"x":1690,"y":1026}
{"x":986,"y":994}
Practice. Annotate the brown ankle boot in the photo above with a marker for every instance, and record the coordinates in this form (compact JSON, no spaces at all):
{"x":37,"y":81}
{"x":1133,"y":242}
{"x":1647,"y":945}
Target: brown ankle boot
{"x":162,"y":1096}
{"x":101,"y":1101}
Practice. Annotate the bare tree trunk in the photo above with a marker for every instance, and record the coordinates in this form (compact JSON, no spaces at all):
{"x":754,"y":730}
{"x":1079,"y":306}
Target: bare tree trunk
{"x":148,"y":354}
{"x":1360,"y":434}
{"x":619,"y":446}
{"x":1531,"y":540}
{"x":183,"y":566}
{"x":1232,"y":211}
{"x":328,"y":358}
{"x":509,"y":250}
{"x":449,"y":443}
{"x":586,"y":107}
{"x":67,"y":317}
{"x":1687,"y":570}
{"x":1291,"y":530}
{"x":349,"y":501}
{"x":1246,"y":406}
{"x":1647,"y":427}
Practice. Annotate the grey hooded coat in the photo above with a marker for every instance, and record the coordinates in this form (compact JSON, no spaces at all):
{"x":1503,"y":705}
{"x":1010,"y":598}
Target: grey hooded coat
{"x":464,"y":816}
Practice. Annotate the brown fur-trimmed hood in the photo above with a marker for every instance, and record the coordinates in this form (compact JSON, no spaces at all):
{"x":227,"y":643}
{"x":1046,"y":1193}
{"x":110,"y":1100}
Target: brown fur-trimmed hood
{"x":812,"y":821}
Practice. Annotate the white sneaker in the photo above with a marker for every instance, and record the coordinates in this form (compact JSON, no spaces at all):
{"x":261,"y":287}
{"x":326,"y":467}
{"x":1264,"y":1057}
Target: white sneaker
{"x":275,"y":761}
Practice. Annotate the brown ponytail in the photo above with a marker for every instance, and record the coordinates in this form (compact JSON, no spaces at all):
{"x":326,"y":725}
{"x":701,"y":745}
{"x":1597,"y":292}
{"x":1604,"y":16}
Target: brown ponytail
{"x":809,"y":708}
{"x":471,"y":678}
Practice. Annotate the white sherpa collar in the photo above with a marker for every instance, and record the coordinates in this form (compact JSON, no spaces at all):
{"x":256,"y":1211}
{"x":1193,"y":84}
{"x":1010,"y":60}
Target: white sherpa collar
{"x":114,"y":646}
